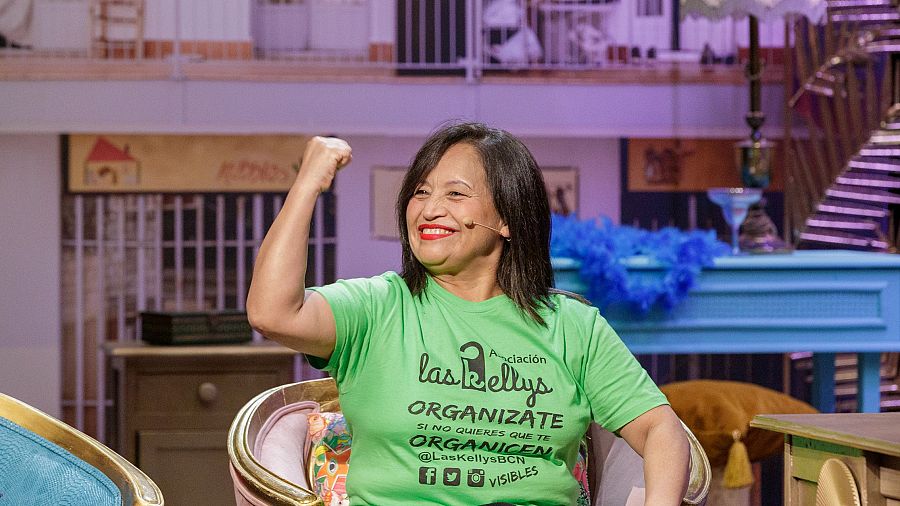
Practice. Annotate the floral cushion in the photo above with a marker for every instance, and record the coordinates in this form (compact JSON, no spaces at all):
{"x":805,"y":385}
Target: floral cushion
{"x":329,"y":457}
{"x":328,"y":442}
{"x":580,"y":472}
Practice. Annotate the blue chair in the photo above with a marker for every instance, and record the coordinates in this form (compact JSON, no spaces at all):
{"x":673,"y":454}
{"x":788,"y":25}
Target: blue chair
{"x":44,"y":461}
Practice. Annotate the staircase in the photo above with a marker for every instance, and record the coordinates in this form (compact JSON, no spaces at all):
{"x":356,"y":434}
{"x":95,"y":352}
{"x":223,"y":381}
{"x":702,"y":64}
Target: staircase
{"x":843,"y":165}
{"x":846,"y":172}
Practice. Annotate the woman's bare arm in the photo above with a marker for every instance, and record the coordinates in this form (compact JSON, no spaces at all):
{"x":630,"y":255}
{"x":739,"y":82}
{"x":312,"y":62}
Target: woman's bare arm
{"x":278,"y":305}
{"x":659,"y":438}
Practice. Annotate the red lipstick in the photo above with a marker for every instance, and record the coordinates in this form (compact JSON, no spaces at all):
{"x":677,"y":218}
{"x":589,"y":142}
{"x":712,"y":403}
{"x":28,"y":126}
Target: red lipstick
{"x":432,"y":226}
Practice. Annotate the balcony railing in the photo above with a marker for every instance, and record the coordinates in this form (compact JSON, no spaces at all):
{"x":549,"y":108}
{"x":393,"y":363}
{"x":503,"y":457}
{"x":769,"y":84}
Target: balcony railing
{"x":470,"y":38}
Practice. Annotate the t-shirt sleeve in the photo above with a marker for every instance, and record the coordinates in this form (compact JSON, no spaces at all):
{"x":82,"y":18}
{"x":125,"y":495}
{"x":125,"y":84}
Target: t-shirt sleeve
{"x":355,"y":304}
{"x":617,"y":386}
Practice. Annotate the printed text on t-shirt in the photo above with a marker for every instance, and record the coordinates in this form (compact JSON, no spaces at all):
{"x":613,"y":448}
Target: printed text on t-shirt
{"x":473,"y":375}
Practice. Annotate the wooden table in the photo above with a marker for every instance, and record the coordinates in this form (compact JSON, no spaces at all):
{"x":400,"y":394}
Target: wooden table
{"x":825,"y":302}
{"x":174,"y":405}
{"x":869,"y":444}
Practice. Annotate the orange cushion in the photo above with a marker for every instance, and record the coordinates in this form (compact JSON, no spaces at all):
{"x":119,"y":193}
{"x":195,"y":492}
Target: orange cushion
{"x":713,"y":409}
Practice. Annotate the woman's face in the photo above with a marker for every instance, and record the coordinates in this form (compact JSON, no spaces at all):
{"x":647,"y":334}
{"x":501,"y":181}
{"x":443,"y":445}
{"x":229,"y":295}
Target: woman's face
{"x":455,"y":191}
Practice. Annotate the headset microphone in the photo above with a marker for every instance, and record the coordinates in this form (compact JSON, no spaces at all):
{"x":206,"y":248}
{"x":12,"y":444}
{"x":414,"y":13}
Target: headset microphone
{"x":469,"y":222}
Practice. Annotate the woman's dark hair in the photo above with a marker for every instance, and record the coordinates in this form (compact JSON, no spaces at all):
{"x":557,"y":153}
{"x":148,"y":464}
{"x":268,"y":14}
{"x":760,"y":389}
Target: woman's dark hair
{"x":517,"y":189}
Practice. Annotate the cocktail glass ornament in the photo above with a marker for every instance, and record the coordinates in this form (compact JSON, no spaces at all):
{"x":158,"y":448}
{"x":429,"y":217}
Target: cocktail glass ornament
{"x":735,"y":202}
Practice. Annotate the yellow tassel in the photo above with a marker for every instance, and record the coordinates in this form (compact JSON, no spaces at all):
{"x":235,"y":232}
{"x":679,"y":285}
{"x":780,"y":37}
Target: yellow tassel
{"x":737,"y":469}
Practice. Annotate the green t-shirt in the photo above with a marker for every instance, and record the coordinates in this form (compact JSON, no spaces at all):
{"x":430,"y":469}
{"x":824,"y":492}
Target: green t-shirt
{"x":458,"y":402}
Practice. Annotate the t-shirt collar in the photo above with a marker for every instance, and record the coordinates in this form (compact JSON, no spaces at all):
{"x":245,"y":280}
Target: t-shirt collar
{"x":433,"y":288}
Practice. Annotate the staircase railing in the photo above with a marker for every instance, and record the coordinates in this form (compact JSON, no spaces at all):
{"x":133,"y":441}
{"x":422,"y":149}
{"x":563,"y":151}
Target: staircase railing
{"x":844,"y":128}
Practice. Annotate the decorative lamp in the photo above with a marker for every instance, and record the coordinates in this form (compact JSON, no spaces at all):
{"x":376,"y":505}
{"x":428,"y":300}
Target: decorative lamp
{"x":754,"y":160}
{"x":753,"y":156}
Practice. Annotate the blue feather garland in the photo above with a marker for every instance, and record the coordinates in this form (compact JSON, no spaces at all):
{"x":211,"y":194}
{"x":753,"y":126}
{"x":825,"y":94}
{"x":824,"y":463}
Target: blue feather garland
{"x":602,"y":249}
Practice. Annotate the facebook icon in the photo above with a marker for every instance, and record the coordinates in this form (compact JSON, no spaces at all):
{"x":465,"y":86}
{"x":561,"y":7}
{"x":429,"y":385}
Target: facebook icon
{"x":427,"y":475}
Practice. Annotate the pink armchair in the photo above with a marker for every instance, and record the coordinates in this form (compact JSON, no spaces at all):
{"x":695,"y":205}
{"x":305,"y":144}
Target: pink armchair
{"x":266,"y":443}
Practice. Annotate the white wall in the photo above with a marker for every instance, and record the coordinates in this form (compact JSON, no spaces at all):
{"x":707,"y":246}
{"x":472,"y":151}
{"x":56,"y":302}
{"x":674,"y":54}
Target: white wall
{"x":396,"y":108}
{"x":359,"y":255}
{"x":597,"y":160}
{"x":60,"y":25}
{"x":383,"y":20}
{"x":200,"y":19}
{"x":30,"y":270}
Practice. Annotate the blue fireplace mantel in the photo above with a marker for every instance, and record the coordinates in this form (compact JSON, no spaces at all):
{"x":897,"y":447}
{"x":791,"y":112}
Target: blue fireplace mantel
{"x":820,"y":301}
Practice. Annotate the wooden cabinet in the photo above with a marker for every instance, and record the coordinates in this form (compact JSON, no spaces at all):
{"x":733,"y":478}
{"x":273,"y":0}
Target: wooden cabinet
{"x":174,"y":405}
{"x":868,"y":445}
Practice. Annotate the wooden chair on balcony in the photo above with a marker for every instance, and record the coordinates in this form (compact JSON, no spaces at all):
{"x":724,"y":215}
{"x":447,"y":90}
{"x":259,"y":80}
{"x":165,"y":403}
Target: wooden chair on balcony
{"x":268,"y":464}
{"x":117,"y":29}
{"x":45,"y":461}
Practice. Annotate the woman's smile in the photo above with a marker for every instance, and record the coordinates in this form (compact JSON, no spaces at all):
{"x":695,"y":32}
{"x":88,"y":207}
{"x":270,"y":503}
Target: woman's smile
{"x":433,"y":231}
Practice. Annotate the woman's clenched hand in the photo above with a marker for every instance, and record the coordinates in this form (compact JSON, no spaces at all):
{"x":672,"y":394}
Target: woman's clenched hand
{"x":322,"y":158}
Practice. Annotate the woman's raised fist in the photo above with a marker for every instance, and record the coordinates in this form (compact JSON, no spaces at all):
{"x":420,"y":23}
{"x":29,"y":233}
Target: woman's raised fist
{"x":322,"y":158}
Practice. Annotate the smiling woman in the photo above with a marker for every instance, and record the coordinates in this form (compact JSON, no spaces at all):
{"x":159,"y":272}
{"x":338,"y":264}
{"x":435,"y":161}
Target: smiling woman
{"x":440,"y":349}
{"x":488,"y":175}
{"x":453,"y":193}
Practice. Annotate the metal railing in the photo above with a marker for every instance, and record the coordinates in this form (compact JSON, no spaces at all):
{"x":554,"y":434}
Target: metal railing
{"x":410,"y":37}
{"x":124,"y":254}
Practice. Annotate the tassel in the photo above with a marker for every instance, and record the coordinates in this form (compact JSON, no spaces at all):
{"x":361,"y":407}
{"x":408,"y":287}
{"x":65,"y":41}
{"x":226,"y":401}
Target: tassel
{"x":737,"y":469}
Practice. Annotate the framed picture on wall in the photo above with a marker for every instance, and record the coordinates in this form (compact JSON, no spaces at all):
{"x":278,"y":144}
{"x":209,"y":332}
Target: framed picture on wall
{"x":562,"y":189}
{"x":685,"y":165}
{"x":117,"y":163}
{"x":385,"y":183}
